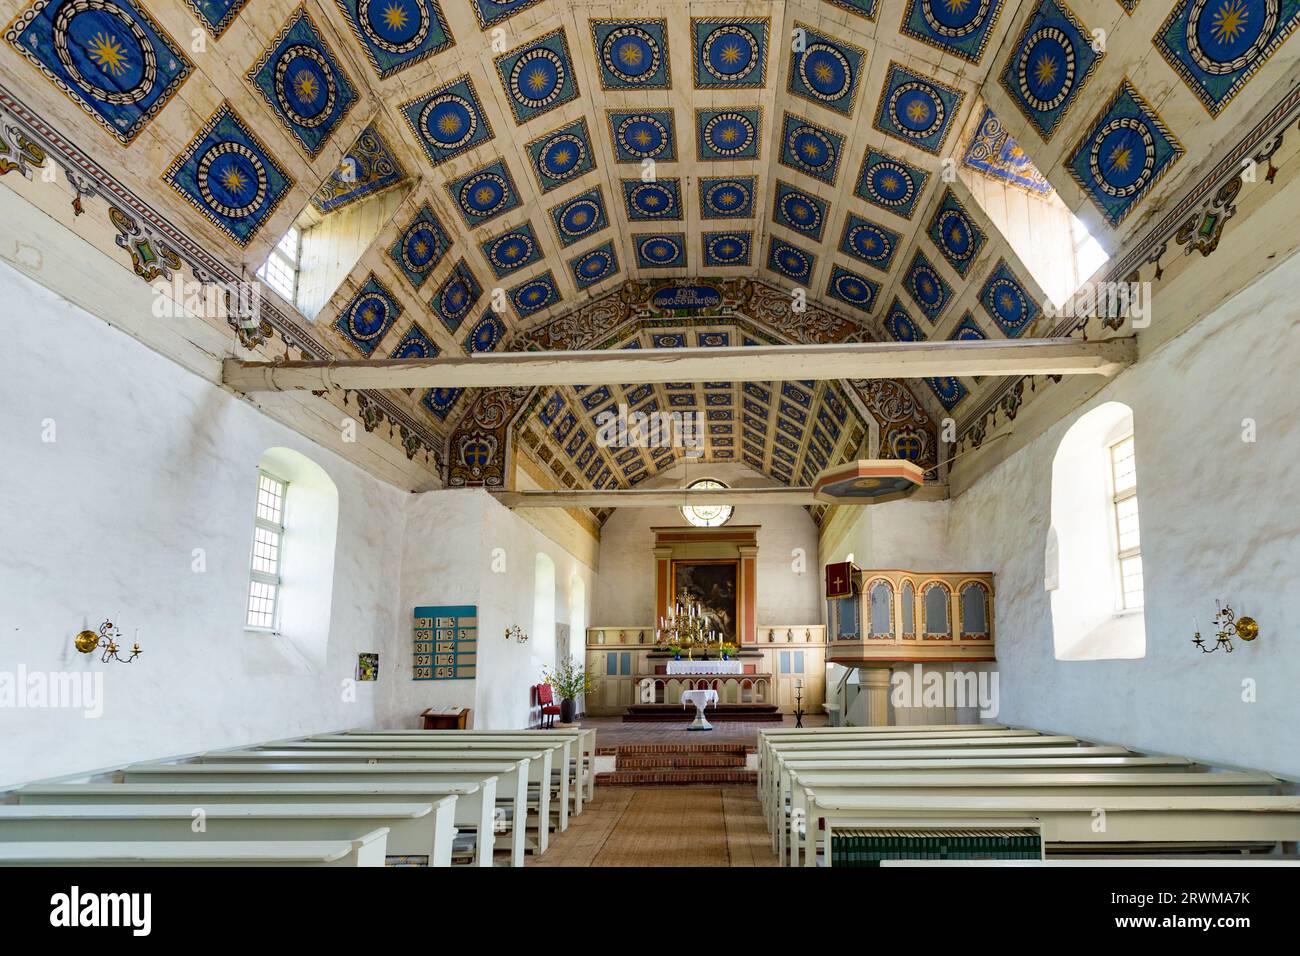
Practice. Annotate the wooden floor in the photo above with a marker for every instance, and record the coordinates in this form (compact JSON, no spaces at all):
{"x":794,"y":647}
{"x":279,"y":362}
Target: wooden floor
{"x":665,"y":826}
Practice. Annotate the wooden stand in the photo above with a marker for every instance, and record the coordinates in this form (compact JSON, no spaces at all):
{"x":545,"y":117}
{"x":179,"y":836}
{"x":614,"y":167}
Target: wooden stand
{"x":446,"y":720}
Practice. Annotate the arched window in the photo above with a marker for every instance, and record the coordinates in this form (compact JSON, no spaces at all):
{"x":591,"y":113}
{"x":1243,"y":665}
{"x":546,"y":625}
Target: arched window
{"x":706,"y":516}
{"x":1093,"y":559}
{"x":291,"y":575}
{"x":544,"y":604}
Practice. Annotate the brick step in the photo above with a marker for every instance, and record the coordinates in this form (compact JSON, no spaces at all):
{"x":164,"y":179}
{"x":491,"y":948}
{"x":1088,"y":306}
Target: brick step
{"x":682,"y":749}
{"x":717,"y":761}
{"x":666,"y":777}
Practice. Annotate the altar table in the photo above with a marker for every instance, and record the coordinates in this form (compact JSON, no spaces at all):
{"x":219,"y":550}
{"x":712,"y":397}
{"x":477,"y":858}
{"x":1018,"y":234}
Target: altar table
{"x":705,"y":667}
{"x":701,"y":699}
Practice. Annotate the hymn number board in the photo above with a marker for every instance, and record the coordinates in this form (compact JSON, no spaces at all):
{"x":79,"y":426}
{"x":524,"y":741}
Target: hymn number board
{"x":446,"y":642}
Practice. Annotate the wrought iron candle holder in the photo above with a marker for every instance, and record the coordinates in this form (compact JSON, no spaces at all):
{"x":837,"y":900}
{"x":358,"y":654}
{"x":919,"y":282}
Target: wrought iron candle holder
{"x":1226,"y":626}
{"x":518,"y":633}
{"x":87,"y":642}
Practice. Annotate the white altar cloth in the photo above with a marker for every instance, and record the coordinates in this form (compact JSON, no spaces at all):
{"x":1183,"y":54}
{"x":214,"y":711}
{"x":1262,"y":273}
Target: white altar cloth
{"x":705,"y":667}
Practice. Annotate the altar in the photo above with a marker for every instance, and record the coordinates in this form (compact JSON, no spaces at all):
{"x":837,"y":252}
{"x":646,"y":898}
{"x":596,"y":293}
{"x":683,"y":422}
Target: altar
{"x":705,"y":667}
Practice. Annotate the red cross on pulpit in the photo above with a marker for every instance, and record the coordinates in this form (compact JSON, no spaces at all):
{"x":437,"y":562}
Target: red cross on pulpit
{"x":839,"y":579}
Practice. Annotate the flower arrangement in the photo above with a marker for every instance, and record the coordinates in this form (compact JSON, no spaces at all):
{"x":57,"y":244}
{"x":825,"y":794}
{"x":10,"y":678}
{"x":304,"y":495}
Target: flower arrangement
{"x":569,"y":681}
{"x":726,"y":649}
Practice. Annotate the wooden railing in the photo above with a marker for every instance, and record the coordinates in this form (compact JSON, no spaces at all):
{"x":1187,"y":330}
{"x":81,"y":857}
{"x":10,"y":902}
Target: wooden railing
{"x":896,"y":615}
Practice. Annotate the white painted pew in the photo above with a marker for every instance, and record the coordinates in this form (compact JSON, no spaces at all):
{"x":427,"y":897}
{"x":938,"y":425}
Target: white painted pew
{"x":422,"y":830}
{"x":582,"y":747}
{"x":542,"y":760}
{"x":566,"y":783}
{"x":513,"y":778}
{"x":802,"y":825}
{"x":474,"y":810}
{"x":586,"y":735}
{"x":766,"y":771}
{"x":369,"y":850}
{"x":990,"y":761}
{"x":1149,"y":819}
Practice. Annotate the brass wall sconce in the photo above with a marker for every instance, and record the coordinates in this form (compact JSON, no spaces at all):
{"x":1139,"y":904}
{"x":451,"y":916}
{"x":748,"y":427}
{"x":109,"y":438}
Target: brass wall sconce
{"x":87,"y":642}
{"x":1226,"y":626}
{"x":517,"y":632}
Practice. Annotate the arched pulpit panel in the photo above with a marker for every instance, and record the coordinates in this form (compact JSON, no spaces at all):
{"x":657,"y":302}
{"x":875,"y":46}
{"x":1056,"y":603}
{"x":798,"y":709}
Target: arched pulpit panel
{"x":936,"y":602}
{"x":974,"y":604}
{"x":880,"y":621}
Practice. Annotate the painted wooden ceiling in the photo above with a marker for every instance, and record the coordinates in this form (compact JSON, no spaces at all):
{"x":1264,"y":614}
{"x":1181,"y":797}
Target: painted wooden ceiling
{"x":561,"y":158}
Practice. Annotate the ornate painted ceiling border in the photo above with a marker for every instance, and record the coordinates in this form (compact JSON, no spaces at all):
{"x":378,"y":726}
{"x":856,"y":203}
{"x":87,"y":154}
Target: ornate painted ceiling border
{"x":1196,"y":222}
{"x":158,"y":249}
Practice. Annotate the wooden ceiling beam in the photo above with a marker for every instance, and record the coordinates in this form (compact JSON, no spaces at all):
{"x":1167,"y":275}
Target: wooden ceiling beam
{"x":657,"y":497}
{"x":859,"y":360}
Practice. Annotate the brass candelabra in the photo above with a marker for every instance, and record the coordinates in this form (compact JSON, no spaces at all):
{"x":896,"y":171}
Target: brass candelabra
{"x":107,"y":640}
{"x":1226,"y":626}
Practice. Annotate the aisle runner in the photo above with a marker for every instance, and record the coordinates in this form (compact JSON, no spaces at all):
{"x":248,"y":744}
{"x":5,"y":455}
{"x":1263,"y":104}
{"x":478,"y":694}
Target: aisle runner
{"x":670,"y":827}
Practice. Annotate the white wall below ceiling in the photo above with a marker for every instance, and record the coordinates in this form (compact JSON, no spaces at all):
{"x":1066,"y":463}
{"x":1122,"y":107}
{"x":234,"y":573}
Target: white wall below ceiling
{"x":149,"y":463}
{"x":789,"y":585}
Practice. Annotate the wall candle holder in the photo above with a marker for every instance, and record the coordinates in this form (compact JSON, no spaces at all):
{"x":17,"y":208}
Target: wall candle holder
{"x":1226,"y":626}
{"x":87,"y":642}
{"x":518,"y":633}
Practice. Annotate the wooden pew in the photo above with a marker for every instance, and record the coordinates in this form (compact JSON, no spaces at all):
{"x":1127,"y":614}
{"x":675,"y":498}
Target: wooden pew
{"x":1092,"y":785}
{"x":474,"y":810}
{"x":542,"y":760}
{"x":586,"y":735}
{"x":993,"y":760}
{"x":1166,"y":819}
{"x":567,"y":784}
{"x":582,"y":753}
{"x":513,"y":778}
{"x":368,"y":850}
{"x":423,"y":830}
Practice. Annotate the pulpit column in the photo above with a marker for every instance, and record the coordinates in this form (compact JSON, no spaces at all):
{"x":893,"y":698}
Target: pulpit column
{"x":663,"y":581}
{"x":748,"y":629}
{"x":875,"y":684}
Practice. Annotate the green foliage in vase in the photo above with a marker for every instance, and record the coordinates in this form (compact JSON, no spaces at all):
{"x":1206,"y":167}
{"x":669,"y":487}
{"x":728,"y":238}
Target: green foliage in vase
{"x":569,"y":681}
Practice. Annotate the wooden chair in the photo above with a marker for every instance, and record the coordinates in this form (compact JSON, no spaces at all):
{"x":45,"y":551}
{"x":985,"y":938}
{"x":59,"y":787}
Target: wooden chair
{"x":546,"y":701}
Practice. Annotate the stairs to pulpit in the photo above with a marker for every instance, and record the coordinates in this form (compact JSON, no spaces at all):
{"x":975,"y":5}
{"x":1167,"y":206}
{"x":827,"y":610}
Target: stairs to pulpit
{"x":640,"y":765}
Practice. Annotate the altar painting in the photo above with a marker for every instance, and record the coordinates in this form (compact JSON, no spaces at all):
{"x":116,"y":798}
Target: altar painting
{"x":713,"y":585}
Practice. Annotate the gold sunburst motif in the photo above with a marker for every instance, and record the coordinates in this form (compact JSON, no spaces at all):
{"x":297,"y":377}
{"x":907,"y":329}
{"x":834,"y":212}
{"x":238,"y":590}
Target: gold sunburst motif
{"x":306,"y":86}
{"x":395,"y":16}
{"x":1229,"y":21}
{"x":234,"y":180}
{"x":918,"y":111}
{"x":449,"y":125}
{"x":484,"y":195}
{"x":108,"y":53}
{"x":538,"y":79}
{"x":731,"y":54}
{"x":1007,"y":301}
{"x":811,"y":150}
{"x":727,"y":199}
{"x":956,"y":6}
{"x":420,"y":247}
{"x":1045,"y":69}
{"x":561,"y":157}
{"x":630,"y":54}
{"x":1121,"y":158}
{"x":888,"y":182}
{"x":642,"y":137}
{"x":823,"y":72}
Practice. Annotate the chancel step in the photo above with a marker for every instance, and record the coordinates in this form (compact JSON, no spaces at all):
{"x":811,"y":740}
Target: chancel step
{"x":678,"y":764}
{"x":673,"y":712}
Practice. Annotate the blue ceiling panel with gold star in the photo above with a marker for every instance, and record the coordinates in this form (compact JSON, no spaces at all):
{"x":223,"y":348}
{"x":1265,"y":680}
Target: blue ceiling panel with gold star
{"x":660,"y":250}
{"x":730,"y":53}
{"x":853,"y":288}
{"x":727,"y":197}
{"x":303,"y":83}
{"x":927,"y":288}
{"x":639,"y":135}
{"x":512,"y":250}
{"x":790,"y":261}
{"x":456,"y":296}
{"x":890,"y":183}
{"x":227,"y":174}
{"x":728,"y":134}
{"x":110,"y":57}
{"x":594,"y":266}
{"x":955,"y":234}
{"x":869,"y":242}
{"x":485,"y":193}
{"x":535,"y":294}
{"x":562,"y":155}
{"x":825,"y":71}
{"x":1125,"y":152}
{"x":917,"y":109}
{"x":810,"y":149}
{"x":415,"y":344}
{"x":726,"y":248}
{"x":421,"y":246}
{"x":959,"y":27}
{"x":486,"y":334}
{"x":656,"y":199}
{"x":799,"y":210}
{"x":397,"y":34}
{"x":1004,"y":298}
{"x":633,"y":54}
{"x":368,"y":316}
{"x":582,"y":216}
{"x":1216,"y":46}
{"x":448,"y":120}
{"x":1050,"y":64}
{"x":538,"y":76}
{"x":900,"y":325}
